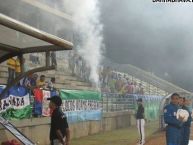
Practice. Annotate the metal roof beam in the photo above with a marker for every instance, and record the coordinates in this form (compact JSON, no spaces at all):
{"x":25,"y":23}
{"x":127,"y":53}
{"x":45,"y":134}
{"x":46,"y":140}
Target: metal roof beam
{"x":9,"y":48}
{"x":26,"y":29}
{"x":9,"y":55}
{"x":44,"y":48}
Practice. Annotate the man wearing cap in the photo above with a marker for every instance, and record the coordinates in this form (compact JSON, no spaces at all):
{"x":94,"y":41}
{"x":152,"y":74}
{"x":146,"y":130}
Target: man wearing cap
{"x":59,"y":131}
{"x":140,"y":122}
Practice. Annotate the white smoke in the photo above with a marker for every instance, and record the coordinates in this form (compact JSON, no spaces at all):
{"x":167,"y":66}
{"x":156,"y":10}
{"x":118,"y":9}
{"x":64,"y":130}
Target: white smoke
{"x":86,"y":20}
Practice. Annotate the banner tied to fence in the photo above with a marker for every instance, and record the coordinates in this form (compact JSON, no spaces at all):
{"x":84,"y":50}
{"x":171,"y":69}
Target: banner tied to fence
{"x":16,"y":103}
{"x":81,"y":105}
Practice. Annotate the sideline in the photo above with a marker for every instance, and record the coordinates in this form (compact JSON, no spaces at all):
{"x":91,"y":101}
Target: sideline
{"x":124,"y":136}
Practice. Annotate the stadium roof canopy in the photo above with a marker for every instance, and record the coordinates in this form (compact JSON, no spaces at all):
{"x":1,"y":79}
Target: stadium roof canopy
{"x":19,"y":38}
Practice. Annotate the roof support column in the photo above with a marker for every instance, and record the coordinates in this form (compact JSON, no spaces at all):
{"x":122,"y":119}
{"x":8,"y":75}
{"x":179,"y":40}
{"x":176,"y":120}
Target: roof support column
{"x":47,"y":58}
{"x":21,"y":61}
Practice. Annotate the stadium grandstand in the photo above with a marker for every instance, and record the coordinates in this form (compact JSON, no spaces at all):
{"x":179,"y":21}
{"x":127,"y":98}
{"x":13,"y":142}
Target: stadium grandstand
{"x":33,"y":67}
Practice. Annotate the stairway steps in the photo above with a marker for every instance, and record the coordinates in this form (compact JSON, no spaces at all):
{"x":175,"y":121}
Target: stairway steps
{"x":64,"y":80}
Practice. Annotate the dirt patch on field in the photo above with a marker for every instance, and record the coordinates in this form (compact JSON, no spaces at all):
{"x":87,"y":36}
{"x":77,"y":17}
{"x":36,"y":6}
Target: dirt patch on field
{"x":157,"y":139}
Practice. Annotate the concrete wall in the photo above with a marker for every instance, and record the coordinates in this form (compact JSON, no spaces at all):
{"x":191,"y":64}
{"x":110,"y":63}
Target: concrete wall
{"x":37,"y":129}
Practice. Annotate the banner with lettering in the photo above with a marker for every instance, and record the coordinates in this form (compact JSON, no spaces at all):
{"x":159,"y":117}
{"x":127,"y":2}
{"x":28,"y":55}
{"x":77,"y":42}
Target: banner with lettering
{"x":16,"y":103}
{"x":81,"y":105}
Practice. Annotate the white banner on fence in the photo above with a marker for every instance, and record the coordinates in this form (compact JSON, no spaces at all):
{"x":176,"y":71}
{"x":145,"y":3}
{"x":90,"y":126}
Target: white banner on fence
{"x":45,"y":107}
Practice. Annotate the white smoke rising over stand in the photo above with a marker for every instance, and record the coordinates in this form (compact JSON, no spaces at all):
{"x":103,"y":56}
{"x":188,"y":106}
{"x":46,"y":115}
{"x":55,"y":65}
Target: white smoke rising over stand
{"x":85,"y":15}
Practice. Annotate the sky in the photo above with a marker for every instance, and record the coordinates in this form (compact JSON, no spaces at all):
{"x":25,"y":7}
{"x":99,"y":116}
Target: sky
{"x":156,"y":37}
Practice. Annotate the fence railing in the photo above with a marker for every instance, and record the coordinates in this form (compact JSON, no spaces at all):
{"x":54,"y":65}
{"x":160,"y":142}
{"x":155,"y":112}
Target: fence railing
{"x":117,"y":102}
{"x":112,"y":102}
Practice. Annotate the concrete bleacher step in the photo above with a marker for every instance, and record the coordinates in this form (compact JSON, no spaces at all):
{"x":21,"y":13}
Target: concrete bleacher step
{"x":64,"y":79}
{"x":3,"y":74}
{"x":73,"y":83}
{"x":62,"y":86}
{"x":3,"y":68}
{"x":3,"y":81}
{"x":55,"y":72}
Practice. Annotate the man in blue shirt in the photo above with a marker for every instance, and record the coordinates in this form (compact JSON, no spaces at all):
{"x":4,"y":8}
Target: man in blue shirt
{"x":186,"y":126}
{"x":174,"y":125}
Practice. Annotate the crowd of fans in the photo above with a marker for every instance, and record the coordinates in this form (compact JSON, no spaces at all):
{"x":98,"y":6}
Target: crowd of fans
{"x":36,"y":58}
{"x":112,"y":81}
{"x":78,"y":66}
{"x":35,"y":86}
{"x":33,"y":83}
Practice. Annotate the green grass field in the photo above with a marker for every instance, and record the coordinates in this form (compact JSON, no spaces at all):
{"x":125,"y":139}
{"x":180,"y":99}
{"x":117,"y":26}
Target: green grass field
{"x":126,"y":136}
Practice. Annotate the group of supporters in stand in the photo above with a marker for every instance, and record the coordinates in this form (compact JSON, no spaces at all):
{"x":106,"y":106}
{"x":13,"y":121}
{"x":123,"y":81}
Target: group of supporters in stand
{"x":111,"y":81}
{"x":33,"y":83}
{"x":116,"y":82}
{"x":36,"y":87}
{"x":78,"y":66}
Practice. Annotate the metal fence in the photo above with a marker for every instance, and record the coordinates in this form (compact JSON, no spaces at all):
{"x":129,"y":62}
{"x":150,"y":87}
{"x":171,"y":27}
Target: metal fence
{"x":112,"y":102}
{"x":116,"y":102}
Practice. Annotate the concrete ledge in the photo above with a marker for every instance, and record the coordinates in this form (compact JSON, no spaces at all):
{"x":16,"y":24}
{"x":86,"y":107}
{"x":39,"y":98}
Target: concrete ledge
{"x":117,"y":113}
{"x":37,"y":129}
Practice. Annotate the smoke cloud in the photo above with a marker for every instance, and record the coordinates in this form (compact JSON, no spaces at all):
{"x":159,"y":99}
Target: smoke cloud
{"x":86,"y":24}
{"x":156,"y":37}
{"x":86,"y":20}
